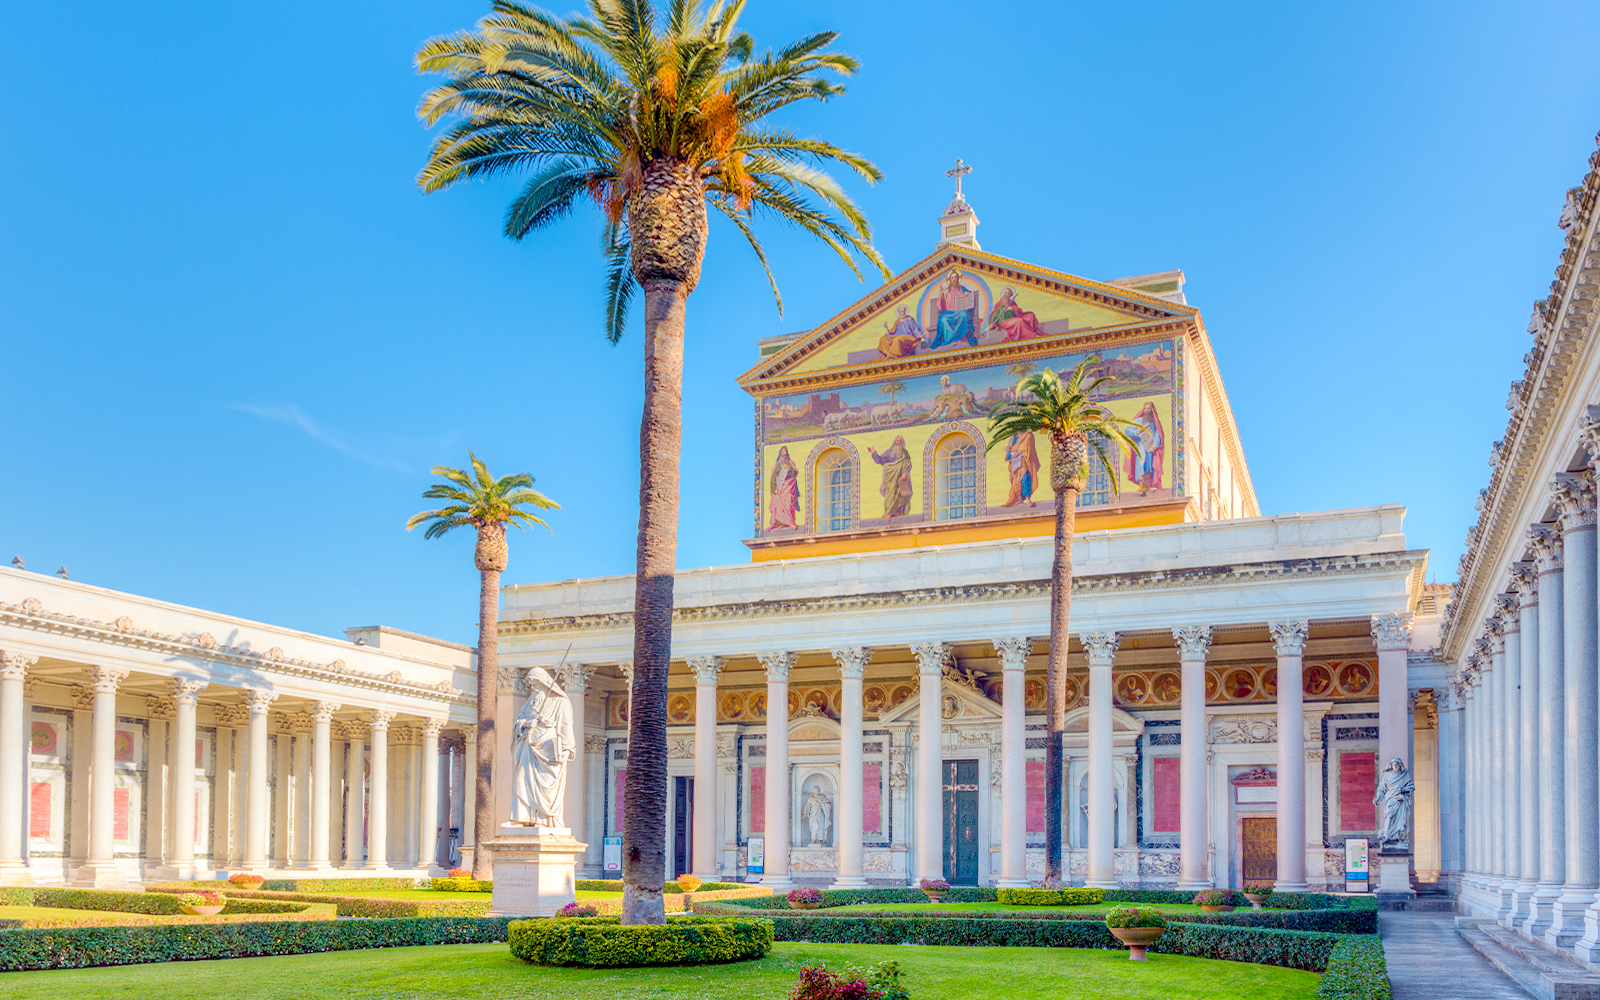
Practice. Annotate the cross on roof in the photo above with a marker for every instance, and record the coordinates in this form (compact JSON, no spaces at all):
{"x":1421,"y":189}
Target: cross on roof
{"x":959,"y":171}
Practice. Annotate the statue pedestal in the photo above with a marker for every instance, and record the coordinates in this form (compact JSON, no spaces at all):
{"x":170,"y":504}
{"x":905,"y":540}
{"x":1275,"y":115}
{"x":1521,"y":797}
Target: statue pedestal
{"x":1393,"y":887}
{"x":534,"y":870}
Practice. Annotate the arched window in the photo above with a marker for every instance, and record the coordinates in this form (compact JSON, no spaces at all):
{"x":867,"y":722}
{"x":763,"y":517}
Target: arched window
{"x":955,"y":478}
{"x":835,"y":479}
{"x":1097,"y":488}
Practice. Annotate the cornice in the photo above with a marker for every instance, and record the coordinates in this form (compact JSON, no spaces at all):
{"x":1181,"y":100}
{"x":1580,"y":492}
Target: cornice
{"x":1111,"y":583}
{"x":1563,"y":326}
{"x":1222,"y":409}
{"x":31,"y":614}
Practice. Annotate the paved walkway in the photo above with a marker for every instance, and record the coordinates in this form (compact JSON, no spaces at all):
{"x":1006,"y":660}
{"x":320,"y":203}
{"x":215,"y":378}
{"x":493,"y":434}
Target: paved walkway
{"x":1428,"y":960}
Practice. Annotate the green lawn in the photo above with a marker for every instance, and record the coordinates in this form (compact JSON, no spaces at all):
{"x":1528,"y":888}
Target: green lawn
{"x":56,"y":913}
{"x":488,"y":970}
{"x":844,"y":911}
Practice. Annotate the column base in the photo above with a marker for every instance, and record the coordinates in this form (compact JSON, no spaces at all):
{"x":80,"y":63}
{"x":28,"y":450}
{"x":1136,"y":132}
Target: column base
{"x":1542,"y":911}
{"x":1013,"y":883}
{"x":1568,"y":915}
{"x":186,"y":871}
{"x":1291,"y":887}
{"x":855,"y":882}
{"x":780,"y":882}
{"x":1195,"y":885}
{"x":1524,"y":899}
{"x":1587,"y":947}
{"x":377,"y":866}
{"x":100,"y":875}
{"x":15,"y":873}
{"x":1100,"y":883}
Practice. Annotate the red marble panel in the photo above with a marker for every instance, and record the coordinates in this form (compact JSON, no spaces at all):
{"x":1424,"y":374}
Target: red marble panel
{"x":1167,"y":798}
{"x":871,"y":799}
{"x":39,"y":811}
{"x":758,"y":800}
{"x":1358,"y":779}
{"x":1035,"y":775}
{"x":119,"y":814}
{"x":622,"y":784}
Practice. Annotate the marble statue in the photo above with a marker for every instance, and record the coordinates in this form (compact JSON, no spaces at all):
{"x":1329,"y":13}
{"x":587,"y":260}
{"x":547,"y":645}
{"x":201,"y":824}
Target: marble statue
{"x":1394,"y":804}
{"x":542,"y":745}
{"x":819,"y":816}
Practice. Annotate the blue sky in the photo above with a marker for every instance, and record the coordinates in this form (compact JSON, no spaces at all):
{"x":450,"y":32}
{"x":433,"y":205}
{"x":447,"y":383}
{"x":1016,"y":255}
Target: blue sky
{"x":234,"y":336}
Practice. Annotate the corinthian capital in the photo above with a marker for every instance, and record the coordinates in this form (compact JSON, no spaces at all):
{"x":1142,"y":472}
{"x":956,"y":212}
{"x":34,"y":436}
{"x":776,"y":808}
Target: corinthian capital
{"x":852,"y":661}
{"x":322,"y":711}
{"x":574,"y":677}
{"x":1545,"y":540}
{"x":14,"y":666}
{"x":105,"y":680}
{"x":930,"y":656}
{"x":379,"y":720}
{"x":707,"y":668}
{"x":1589,"y":432}
{"x":1572,"y":493}
{"x":1100,"y":647}
{"x":1289,"y":638}
{"x":186,"y":691}
{"x":1013,"y":653}
{"x":258,"y":701}
{"x":1192,"y":641}
{"x":1391,"y":631}
{"x":777,"y":664}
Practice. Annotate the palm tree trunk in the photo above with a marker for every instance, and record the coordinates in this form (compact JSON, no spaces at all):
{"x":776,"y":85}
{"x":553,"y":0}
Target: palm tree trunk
{"x":488,"y":697}
{"x":1056,"y":679}
{"x":644,"y":850}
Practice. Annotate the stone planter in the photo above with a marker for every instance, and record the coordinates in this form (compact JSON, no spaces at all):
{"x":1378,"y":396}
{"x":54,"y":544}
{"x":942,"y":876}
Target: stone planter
{"x":933,"y":895}
{"x":1137,"y":939}
{"x":803,"y":906}
{"x":1218,"y":909}
{"x":201,"y":911}
{"x":1255,"y":900}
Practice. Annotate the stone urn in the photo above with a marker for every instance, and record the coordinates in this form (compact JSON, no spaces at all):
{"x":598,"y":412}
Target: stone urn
{"x":934,"y":895}
{"x":1219,"y":909}
{"x":803,"y":906}
{"x":1138,"y":939}
{"x":1255,"y":900}
{"x":201,"y":911}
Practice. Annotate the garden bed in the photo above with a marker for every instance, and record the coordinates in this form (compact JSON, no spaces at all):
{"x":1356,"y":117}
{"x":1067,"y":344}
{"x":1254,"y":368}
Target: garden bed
{"x":603,"y":942}
{"x":44,"y":907}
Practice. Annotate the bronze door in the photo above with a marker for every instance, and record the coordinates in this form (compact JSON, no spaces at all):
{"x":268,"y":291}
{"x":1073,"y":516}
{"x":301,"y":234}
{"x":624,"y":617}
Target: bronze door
{"x":1259,"y":843}
{"x":961,"y":822}
{"x":682,"y":825}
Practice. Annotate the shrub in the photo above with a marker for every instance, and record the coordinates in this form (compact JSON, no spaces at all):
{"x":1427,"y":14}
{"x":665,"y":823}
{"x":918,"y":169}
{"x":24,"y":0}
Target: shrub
{"x":576,"y":909}
{"x":615,"y":885}
{"x":603,"y":941}
{"x":1122,"y":917}
{"x":1051,"y":897}
{"x":459,"y":873}
{"x":1307,"y":950}
{"x":454,"y":884}
{"x":1259,"y":888}
{"x":82,"y":947}
{"x":881,"y":982}
{"x":689,"y":883}
{"x":805,"y":895}
{"x":938,"y":930}
{"x":934,"y":885}
{"x":1356,"y":970}
{"x":852,"y":897}
{"x":202,"y":898}
{"x":246,"y":880}
{"x":1218,"y":897}
{"x":1335,"y":921}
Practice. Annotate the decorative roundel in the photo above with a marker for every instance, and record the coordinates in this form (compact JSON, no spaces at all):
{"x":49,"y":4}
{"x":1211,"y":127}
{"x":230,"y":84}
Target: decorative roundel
{"x":758,"y":705}
{"x":794,"y":703}
{"x":874,"y":700}
{"x":1213,"y":685}
{"x":1167,"y":687}
{"x":1240,"y":684}
{"x":1318,"y":680}
{"x":1269,"y":682}
{"x":732,"y":705}
{"x":901,"y":693}
{"x":44,"y":738}
{"x":124,"y":745}
{"x":1355,"y":678}
{"x":1034,"y":694}
{"x":680,"y":709}
{"x":1070,"y":696}
{"x":1131,"y":689}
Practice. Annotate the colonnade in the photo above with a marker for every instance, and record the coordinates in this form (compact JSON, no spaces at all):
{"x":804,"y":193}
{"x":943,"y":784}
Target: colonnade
{"x":317,"y":828}
{"x":1529,"y":703}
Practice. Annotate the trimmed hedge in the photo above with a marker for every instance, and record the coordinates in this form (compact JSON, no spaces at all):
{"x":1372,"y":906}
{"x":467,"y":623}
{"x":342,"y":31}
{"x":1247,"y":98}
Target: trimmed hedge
{"x":112,"y":901}
{"x":8,"y":925}
{"x":1326,"y":921}
{"x":679,"y":902}
{"x":1333,"y":921}
{"x":1307,"y":950}
{"x":604,"y":942}
{"x":82,"y":947}
{"x":373,"y":906}
{"x":292,"y":885}
{"x":1356,"y":970}
{"x":615,"y":885}
{"x":461,"y":885}
{"x":1050,"y":897}
{"x":855,"y":897}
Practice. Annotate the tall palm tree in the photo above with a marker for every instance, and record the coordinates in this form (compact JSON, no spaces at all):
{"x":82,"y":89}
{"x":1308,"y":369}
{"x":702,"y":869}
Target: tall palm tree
{"x":487,"y":504}
{"x":891,"y":389}
{"x":1076,"y":425}
{"x":655,"y":119}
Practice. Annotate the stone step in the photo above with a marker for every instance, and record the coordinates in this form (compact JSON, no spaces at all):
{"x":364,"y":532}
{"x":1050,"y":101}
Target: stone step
{"x":1536,"y":972}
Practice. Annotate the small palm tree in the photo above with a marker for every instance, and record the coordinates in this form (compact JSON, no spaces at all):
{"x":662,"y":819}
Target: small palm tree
{"x":1075,"y":425}
{"x":654,"y":121}
{"x":487,"y":504}
{"x":891,"y":389}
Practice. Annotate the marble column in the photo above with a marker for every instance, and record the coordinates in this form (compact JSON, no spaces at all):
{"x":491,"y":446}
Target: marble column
{"x":319,"y":788}
{"x":1193,"y":641}
{"x":1546,"y":541}
{"x":227,"y":792}
{"x":355,"y":846}
{"x":378,"y":792}
{"x":428,"y":795}
{"x":574,"y":679}
{"x":848,"y":817}
{"x":1507,"y":803}
{"x":469,"y":795}
{"x":1391,"y":634}
{"x":931,"y":657}
{"x":13,"y":767}
{"x":775,"y":808}
{"x":159,"y":751}
{"x":101,"y":869}
{"x":706,"y":671}
{"x":1495,"y":745}
{"x":1289,"y":643}
{"x":1527,"y":586}
{"x":1013,"y":654}
{"x":1099,"y":648}
{"x":1573,"y":495}
{"x":186,"y":696}
{"x":258,"y":800}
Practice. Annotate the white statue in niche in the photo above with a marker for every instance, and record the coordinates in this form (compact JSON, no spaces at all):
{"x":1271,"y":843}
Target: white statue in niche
{"x":818,"y":811}
{"x":542,"y":743}
{"x":1394,"y":804}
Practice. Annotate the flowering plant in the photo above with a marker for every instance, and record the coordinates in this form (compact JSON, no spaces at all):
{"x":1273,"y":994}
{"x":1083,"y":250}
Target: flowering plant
{"x":689,"y":883}
{"x":460,"y":873}
{"x":245,"y":880}
{"x":204,"y":898}
{"x":804,"y":894}
{"x":1258,"y":888}
{"x":1217,"y":897}
{"x":1135,"y":916}
{"x":881,"y":982}
{"x":934,"y":885}
{"x":576,"y":909}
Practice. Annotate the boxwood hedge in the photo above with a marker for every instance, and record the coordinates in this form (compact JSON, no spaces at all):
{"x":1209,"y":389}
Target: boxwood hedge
{"x":156,"y":904}
{"x":81,"y":947}
{"x":1356,"y":970}
{"x":1050,"y":897}
{"x":604,"y":942}
{"x":615,"y":885}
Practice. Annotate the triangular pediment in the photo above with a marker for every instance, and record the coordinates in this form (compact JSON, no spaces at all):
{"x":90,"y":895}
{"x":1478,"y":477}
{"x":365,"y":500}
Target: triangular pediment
{"x":960,"y":703}
{"x":959,"y":303}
